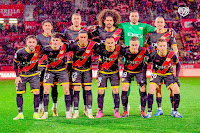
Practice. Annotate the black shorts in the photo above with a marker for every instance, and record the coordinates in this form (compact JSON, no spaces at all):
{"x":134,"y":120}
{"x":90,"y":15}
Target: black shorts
{"x":34,"y":84}
{"x":168,"y":79}
{"x":41,"y":71}
{"x":102,"y":80}
{"x":51,"y":76}
{"x":82,"y":77}
{"x":127,"y":77}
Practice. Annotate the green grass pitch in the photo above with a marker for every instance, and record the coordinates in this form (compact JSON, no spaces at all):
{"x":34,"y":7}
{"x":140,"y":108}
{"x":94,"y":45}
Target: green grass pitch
{"x":189,"y":108}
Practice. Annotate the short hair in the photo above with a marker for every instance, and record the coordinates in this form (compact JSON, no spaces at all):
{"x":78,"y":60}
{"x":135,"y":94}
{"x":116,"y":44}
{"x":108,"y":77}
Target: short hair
{"x":159,"y":17}
{"x":108,"y":37}
{"x":76,"y":14}
{"x":31,"y":36}
{"x":134,"y":11}
{"x":82,"y":32}
{"x":161,"y":40}
{"x":134,"y":38}
{"x":56,"y":35}
{"x":47,"y":21}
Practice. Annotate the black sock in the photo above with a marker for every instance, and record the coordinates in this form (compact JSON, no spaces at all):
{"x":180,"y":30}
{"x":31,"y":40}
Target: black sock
{"x":124,"y":98}
{"x":177,"y":101}
{"x":41,"y":94}
{"x":54,"y":94}
{"x":19,"y":100}
{"x":67,"y":102}
{"x":88,"y":99}
{"x":150,"y":102}
{"x":76,"y":100}
{"x":143,"y":100}
{"x":116,"y":101}
{"x":46,"y":102}
{"x":172,"y":101}
{"x":72,"y":96}
{"x":36,"y":102}
{"x":159,"y":100}
{"x":84,"y":96}
{"x":100,"y":101}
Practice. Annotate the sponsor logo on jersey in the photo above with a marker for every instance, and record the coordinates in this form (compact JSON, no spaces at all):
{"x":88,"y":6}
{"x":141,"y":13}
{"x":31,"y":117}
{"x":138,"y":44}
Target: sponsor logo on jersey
{"x":141,"y":28}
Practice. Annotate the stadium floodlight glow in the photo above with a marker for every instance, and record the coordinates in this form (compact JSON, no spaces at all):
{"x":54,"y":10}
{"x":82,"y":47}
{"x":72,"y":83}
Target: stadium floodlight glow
{"x":1,"y":19}
{"x":12,"y":19}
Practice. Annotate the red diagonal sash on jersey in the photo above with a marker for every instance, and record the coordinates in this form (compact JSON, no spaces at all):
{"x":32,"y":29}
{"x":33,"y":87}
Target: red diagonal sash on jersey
{"x":114,"y":55}
{"x":86,"y":54}
{"x":33,"y":60}
{"x":116,"y":34}
{"x":166,"y":63}
{"x":139,"y":59}
{"x":165,"y":36}
{"x":59,"y":56}
{"x":44,"y":57}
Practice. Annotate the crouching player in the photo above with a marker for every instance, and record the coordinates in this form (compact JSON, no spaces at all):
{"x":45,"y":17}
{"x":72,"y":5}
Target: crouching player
{"x":56,"y":70}
{"x":108,"y":69}
{"x":163,"y":70}
{"x":134,"y":67}
{"x":26,"y":59}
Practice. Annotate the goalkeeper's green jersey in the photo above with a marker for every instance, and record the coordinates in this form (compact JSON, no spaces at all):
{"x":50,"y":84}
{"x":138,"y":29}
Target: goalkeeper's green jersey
{"x":140,"y":30}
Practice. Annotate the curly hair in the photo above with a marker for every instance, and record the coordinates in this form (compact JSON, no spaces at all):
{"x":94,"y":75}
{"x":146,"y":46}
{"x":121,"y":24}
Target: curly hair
{"x":108,"y":13}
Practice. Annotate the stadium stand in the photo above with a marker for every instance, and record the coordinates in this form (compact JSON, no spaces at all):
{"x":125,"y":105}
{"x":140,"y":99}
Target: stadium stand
{"x":12,"y":35}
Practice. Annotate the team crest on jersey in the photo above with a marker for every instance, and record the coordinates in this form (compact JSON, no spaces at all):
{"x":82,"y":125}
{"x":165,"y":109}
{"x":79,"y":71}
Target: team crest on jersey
{"x":123,"y":79}
{"x":115,"y":53}
{"x":87,"y":51}
{"x":141,"y":28}
{"x":62,"y":51}
{"x":139,"y":56}
{"x":168,"y":59}
{"x":36,"y":54}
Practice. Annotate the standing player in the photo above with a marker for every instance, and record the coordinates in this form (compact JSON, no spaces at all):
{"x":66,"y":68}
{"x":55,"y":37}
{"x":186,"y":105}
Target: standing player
{"x":56,"y":70}
{"x":135,"y":28}
{"x":162,"y":69}
{"x":70,"y":36}
{"x":82,"y":74}
{"x":44,"y":40}
{"x":26,"y":59}
{"x":134,"y":67}
{"x":108,"y":21}
{"x":169,"y":35}
{"x":108,"y":69}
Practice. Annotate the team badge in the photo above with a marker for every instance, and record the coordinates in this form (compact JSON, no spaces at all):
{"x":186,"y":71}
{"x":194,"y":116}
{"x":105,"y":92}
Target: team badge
{"x":98,"y":84}
{"x":123,"y":79}
{"x":115,"y":53}
{"x":141,"y":28}
{"x":87,"y":51}
{"x":62,"y":51}
{"x":139,"y":56}
{"x":73,"y":79}
{"x":168,"y":59}
{"x":36,"y":54}
{"x":45,"y":80}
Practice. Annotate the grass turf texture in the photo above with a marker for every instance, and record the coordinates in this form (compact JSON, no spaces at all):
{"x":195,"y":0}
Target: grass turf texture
{"x":189,"y":108}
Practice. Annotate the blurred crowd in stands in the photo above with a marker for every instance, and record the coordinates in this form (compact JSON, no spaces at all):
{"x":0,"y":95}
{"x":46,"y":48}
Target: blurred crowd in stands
{"x":12,"y":35}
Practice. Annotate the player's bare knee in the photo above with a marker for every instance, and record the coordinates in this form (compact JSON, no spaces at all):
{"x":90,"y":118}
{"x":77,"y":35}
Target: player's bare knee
{"x":101,"y":91}
{"x":143,"y":88}
{"x":46,"y":89}
{"x":115,"y":90}
{"x":87,"y":88}
{"x":152,"y":88}
{"x":175,"y":89}
{"x":125,"y":87}
{"x":76,"y":88}
{"x":36,"y":92}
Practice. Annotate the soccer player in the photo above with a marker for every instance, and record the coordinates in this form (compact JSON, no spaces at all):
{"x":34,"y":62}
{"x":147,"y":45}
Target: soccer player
{"x":82,"y":74}
{"x":70,"y":36}
{"x":108,"y":69}
{"x":56,"y":69}
{"x":134,"y":67}
{"x":169,"y":35}
{"x":135,"y":28}
{"x":44,"y":40}
{"x":162,"y":69}
{"x":26,"y":59}
{"x":108,"y":21}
